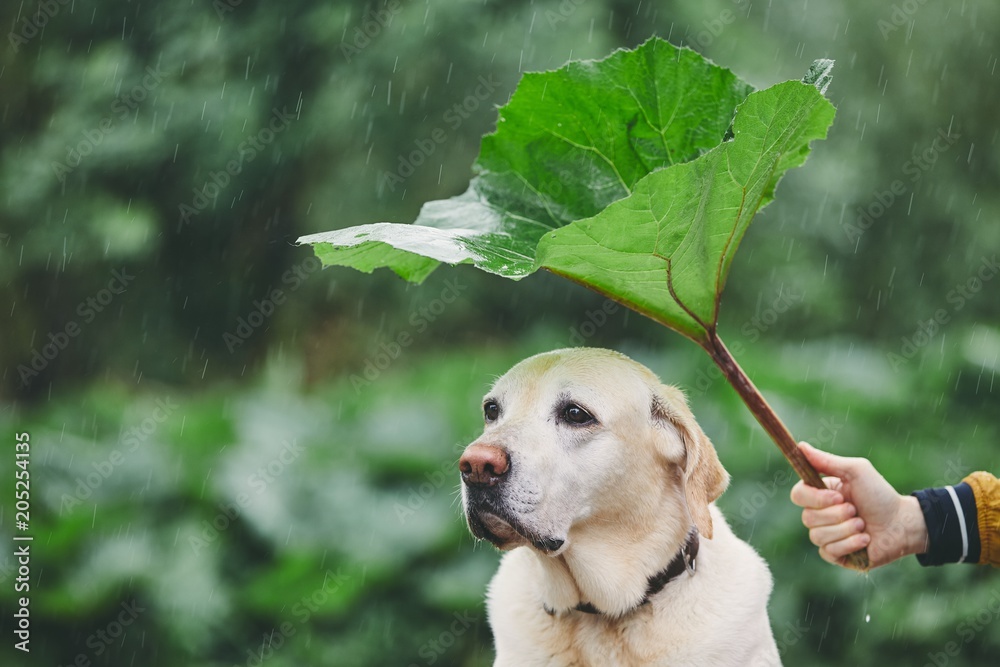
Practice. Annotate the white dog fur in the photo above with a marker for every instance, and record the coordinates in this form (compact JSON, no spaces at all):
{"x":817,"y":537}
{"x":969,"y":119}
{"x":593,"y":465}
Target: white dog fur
{"x":592,"y":511}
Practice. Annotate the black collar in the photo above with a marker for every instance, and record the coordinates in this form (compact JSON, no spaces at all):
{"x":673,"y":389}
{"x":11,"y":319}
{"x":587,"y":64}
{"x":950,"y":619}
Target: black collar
{"x":684,"y":561}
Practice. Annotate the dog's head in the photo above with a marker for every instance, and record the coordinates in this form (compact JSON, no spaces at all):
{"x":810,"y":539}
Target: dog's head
{"x":581,"y":437}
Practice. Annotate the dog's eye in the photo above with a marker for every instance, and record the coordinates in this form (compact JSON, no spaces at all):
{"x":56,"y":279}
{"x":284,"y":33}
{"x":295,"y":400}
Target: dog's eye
{"x":491,"y":410}
{"x":574,"y":414}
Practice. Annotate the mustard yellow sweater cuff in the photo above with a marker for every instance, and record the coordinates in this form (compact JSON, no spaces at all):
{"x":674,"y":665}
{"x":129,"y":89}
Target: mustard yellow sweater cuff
{"x":986,"y":489}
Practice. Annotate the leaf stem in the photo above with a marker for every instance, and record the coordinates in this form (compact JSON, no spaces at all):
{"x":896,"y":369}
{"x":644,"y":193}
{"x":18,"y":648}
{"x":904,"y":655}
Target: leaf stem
{"x":767,"y":418}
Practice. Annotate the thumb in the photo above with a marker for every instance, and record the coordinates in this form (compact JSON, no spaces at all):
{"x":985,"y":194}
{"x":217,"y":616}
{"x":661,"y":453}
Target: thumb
{"x":827,"y":463}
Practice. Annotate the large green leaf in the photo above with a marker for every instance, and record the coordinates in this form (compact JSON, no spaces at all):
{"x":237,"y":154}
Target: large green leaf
{"x":636,"y":175}
{"x":568,"y":143}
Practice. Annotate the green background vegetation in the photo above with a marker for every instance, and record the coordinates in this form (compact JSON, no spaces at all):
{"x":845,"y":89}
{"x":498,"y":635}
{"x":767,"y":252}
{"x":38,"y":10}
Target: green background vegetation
{"x":262,"y":503}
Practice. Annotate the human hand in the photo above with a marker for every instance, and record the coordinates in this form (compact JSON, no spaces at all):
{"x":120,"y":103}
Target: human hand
{"x":858,"y":509}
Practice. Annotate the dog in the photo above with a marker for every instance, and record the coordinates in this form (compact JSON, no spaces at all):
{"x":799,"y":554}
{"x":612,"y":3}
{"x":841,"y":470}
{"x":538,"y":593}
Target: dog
{"x":597,"y":482}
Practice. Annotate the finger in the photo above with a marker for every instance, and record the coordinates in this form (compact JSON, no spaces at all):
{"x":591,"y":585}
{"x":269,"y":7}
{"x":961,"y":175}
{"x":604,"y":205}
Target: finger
{"x":823,"y":536}
{"x":830,"y":464}
{"x":805,"y":495}
{"x":828,"y":516}
{"x":834,"y":484}
{"x":836,"y":551}
{"x":830,"y":559}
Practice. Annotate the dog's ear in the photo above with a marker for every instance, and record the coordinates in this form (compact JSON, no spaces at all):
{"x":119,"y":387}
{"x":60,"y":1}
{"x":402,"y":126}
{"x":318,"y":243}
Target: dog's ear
{"x":704,"y":477}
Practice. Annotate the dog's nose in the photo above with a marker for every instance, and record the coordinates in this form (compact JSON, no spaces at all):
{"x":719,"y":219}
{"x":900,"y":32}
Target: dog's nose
{"x":483,"y":465}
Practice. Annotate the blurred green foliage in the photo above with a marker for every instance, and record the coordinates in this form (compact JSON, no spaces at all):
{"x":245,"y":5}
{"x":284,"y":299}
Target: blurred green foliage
{"x":289,"y":499}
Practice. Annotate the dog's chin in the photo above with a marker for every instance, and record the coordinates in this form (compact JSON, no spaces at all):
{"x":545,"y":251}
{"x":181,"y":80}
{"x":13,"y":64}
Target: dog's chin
{"x":506,"y":535}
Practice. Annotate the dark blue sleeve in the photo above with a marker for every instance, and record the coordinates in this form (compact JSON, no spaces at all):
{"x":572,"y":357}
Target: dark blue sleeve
{"x":952,"y":527}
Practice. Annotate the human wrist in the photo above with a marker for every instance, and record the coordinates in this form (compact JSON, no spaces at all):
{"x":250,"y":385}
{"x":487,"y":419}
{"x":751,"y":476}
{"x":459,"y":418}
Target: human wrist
{"x":913,"y":525}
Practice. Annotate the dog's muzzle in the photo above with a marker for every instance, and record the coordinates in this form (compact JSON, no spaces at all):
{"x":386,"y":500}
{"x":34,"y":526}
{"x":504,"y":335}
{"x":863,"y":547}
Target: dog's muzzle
{"x":485,"y":470}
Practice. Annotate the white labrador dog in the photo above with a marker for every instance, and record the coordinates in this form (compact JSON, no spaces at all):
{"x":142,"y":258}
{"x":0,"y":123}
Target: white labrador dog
{"x":598,"y":482}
